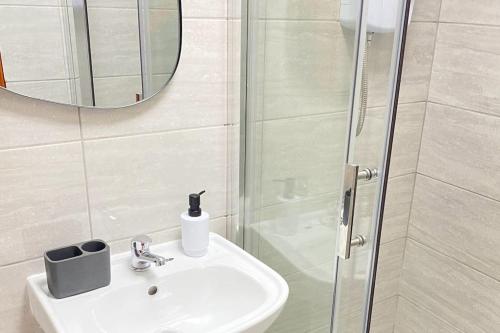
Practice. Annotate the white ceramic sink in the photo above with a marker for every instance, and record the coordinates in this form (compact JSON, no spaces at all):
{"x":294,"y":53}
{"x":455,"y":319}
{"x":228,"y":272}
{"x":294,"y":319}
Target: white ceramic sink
{"x":227,"y":291}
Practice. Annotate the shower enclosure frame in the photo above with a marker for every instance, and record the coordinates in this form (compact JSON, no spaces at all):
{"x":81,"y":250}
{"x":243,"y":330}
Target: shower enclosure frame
{"x":246,"y":136}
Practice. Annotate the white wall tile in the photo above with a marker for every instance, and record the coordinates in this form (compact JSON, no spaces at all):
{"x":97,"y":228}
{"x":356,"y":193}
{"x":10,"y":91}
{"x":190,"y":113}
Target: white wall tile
{"x":43,"y":202}
{"x":140,"y":184}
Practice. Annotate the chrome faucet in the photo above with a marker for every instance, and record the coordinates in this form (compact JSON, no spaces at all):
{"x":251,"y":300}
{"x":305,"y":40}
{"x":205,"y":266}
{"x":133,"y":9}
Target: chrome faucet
{"x":141,"y":257}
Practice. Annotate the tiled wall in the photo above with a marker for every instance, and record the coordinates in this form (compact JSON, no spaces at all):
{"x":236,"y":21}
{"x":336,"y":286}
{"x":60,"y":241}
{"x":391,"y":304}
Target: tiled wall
{"x":68,"y":174}
{"x":451,"y":275}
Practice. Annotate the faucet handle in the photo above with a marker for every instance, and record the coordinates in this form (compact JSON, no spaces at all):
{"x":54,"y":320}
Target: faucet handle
{"x":141,"y":243}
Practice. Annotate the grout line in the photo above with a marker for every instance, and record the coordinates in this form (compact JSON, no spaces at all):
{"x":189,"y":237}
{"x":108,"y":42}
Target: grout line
{"x":447,"y":257}
{"x":212,"y":219}
{"x":92,"y":139}
{"x":459,"y":187}
{"x":461,"y":108}
{"x":396,"y":314}
{"x":485,"y":25}
{"x":410,"y":212}
{"x":428,"y":311}
{"x":38,"y":145}
{"x":152,"y":133}
{"x":173,"y":228}
{"x":85,"y":174}
{"x":298,"y":20}
{"x":19,"y":262}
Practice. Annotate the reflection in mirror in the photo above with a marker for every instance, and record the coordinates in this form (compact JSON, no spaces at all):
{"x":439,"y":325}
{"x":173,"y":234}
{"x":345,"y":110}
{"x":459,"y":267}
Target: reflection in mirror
{"x":103,"y":53}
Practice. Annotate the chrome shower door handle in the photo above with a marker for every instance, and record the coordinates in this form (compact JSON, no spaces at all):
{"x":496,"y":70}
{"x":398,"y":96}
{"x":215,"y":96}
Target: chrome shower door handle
{"x":345,"y":241}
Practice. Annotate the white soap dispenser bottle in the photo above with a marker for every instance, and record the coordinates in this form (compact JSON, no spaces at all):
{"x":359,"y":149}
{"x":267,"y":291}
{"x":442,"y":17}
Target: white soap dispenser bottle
{"x":194,"y":225}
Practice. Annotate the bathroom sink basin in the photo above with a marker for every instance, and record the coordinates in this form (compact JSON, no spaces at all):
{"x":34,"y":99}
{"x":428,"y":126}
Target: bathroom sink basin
{"x":227,"y":290}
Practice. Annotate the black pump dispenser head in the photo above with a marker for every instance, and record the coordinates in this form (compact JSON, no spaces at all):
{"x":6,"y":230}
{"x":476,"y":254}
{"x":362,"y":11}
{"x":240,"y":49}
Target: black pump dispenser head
{"x":194,"y":204}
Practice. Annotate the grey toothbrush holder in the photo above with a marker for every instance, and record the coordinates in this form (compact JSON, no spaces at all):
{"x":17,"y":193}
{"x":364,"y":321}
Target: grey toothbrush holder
{"x":78,"y":268}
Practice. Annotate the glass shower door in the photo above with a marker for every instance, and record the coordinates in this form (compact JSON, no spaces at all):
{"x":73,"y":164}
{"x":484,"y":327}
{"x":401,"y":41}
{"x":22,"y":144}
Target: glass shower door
{"x":303,"y":100}
{"x":301,"y":70}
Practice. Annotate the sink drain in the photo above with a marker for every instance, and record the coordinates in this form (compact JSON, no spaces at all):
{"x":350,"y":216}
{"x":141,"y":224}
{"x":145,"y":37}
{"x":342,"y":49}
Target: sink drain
{"x":152,"y":291}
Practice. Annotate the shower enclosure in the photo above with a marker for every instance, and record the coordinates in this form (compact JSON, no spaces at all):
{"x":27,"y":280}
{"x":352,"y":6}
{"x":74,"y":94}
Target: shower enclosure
{"x":313,"y":161}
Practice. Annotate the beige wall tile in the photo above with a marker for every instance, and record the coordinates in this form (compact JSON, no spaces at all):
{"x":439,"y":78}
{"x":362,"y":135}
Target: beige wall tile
{"x":389,"y":269}
{"x":300,"y":228}
{"x":397,"y":207}
{"x":44,"y":200}
{"x":303,"y":9}
{"x":418,"y":62}
{"x":14,"y":313}
{"x":466,"y":71}
{"x":354,"y":275}
{"x":195,"y":97}
{"x":204,"y":8}
{"x":54,"y":90}
{"x":114,"y":41}
{"x":416,"y":70}
{"x":25,"y":121}
{"x":164,"y":39}
{"x":217,"y":225}
{"x":140,"y":184}
{"x":18,"y":320}
{"x":31,"y":2}
{"x":287,"y":153}
{"x":163,"y":4}
{"x":117,"y":90}
{"x":407,"y":137}
{"x":458,"y":223}
{"x":426,"y":10}
{"x":383,"y":316}
{"x":369,"y":144}
{"x":466,"y":160}
{"x":465,"y":298}
{"x":471,"y":11}
{"x":308,"y":68}
{"x":32,"y":43}
{"x":412,"y":318}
